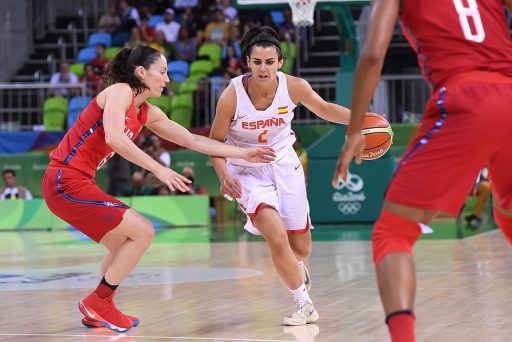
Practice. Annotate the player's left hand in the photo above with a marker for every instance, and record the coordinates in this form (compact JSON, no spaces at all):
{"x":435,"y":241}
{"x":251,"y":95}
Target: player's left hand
{"x":353,"y":147}
{"x":263,"y":154}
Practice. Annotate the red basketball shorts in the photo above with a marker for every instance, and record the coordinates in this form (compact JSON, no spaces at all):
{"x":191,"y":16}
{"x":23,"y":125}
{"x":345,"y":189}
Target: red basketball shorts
{"x":76,"y":199}
{"x":466,"y":126}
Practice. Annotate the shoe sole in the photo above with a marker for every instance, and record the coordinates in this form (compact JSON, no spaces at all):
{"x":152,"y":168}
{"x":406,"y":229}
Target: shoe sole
{"x":89,"y":323}
{"x":88,"y":312}
{"x":312,"y":319}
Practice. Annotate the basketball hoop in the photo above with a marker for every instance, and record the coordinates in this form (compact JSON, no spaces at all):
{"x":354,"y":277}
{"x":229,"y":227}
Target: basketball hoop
{"x":303,"y":12}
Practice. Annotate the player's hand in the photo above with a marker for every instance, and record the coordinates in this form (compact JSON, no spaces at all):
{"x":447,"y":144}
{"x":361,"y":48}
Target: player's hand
{"x":230,"y":187}
{"x":172,"y":179}
{"x":353,"y":147}
{"x":263,"y":154}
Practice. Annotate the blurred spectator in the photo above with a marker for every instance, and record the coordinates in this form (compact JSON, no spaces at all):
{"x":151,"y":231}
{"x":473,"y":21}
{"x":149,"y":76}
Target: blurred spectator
{"x":109,"y":22}
{"x":93,"y":82}
{"x":129,"y":16}
{"x":195,"y":21}
{"x":161,"y":45}
{"x":138,"y":184}
{"x":119,"y":173}
{"x":194,"y":188}
{"x":147,"y":33}
{"x":229,"y":11}
{"x":482,"y":191}
{"x":185,"y":3}
{"x":134,"y":40}
{"x":160,"y":6}
{"x":231,"y":63}
{"x":158,"y":152}
{"x":10,"y":189}
{"x":266,"y":20}
{"x":185,"y":48}
{"x":100,"y":61}
{"x":169,"y":27}
{"x":287,"y":28}
{"x":217,"y":31}
{"x":63,"y":76}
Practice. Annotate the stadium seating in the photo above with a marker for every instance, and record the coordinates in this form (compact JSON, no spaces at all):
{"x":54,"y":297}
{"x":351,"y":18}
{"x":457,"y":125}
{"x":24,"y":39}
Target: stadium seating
{"x":155,"y":20}
{"x":54,"y":113}
{"x":188,"y":86}
{"x":163,"y":102}
{"x":75,"y":107}
{"x":289,"y":55}
{"x":182,"y":108}
{"x":111,"y":52}
{"x":212,"y":51}
{"x":100,"y":38}
{"x":120,"y":38}
{"x":178,"y":70}
{"x":86,"y":54}
{"x":77,"y":69}
{"x":201,"y":66}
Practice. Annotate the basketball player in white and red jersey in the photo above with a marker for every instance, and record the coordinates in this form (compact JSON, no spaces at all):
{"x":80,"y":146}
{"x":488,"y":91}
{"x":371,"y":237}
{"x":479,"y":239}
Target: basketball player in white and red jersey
{"x":109,"y":125}
{"x":256,"y":110}
{"x":465,"y":51}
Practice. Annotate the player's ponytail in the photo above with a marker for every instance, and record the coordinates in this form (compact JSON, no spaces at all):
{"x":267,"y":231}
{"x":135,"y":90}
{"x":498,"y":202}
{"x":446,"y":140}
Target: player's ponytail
{"x":121,"y":69}
{"x":264,"y":36}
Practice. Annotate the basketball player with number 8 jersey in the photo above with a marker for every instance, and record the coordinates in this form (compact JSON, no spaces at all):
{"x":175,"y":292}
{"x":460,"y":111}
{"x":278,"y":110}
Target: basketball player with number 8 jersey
{"x":465,"y":51}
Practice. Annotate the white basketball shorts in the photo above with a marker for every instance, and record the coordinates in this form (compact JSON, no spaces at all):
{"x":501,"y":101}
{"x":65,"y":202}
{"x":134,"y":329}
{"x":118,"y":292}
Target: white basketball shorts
{"x":280,"y":185}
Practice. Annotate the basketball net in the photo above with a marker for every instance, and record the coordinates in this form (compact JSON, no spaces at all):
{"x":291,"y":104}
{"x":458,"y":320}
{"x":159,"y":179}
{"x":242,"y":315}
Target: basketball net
{"x":303,"y":12}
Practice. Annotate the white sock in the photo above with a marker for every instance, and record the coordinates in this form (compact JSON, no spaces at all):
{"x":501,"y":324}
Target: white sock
{"x":301,"y":294}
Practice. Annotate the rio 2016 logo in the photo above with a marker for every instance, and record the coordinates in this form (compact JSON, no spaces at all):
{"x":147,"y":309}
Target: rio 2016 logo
{"x":350,"y":197}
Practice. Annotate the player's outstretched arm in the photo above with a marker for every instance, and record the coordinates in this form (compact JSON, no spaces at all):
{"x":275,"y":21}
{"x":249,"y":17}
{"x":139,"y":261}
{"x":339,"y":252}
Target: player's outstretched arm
{"x":300,"y":91}
{"x":170,"y":130}
{"x":116,"y":100}
{"x":369,"y":66}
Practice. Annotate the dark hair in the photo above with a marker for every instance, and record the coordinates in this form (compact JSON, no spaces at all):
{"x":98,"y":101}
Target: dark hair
{"x":6,"y":171}
{"x":122,"y":68}
{"x":263,"y":36}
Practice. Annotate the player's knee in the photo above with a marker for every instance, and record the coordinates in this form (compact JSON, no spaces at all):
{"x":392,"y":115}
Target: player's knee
{"x":145,"y":230}
{"x":277,"y":241}
{"x":504,"y":221}
{"x":302,"y":250}
{"x":393,"y":233}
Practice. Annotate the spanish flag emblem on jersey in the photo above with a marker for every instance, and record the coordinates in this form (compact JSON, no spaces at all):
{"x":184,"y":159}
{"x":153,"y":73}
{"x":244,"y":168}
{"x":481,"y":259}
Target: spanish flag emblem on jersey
{"x":282,"y":110}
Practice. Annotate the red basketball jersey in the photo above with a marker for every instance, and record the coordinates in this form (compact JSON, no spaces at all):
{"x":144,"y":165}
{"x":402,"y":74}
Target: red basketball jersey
{"x":84,"y":148}
{"x":456,"y":36}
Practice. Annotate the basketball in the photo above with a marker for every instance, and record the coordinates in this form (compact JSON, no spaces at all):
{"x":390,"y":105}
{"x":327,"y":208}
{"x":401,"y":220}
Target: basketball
{"x":378,"y":136}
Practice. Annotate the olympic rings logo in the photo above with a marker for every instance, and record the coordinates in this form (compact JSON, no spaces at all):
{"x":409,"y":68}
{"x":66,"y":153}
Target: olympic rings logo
{"x":349,"y":208}
{"x":354,"y":183}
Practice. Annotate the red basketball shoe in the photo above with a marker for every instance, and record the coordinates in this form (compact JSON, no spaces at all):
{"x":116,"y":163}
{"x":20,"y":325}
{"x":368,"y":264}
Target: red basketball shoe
{"x":104,"y":311}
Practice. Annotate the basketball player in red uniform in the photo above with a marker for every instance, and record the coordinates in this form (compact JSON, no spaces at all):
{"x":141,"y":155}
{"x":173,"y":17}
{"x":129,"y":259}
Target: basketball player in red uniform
{"x":109,"y":125}
{"x":465,"y":51}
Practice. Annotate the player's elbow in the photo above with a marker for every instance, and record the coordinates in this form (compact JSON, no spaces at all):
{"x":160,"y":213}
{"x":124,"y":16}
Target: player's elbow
{"x":112,"y":140}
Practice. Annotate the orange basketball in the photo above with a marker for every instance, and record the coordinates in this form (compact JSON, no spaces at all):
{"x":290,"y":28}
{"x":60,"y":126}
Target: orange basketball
{"x":378,"y":136}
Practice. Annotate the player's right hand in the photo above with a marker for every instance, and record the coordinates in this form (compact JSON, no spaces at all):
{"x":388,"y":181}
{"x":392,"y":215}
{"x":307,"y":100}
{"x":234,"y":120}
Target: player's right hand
{"x":231,"y":187}
{"x":172,"y":179}
{"x":353,"y":147}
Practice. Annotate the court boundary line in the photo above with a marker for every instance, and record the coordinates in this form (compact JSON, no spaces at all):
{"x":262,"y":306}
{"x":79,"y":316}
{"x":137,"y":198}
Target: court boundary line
{"x":121,"y":336}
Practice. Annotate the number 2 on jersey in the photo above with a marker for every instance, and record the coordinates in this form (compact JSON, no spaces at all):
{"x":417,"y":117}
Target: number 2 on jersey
{"x":261,"y":137}
{"x":470,"y":12}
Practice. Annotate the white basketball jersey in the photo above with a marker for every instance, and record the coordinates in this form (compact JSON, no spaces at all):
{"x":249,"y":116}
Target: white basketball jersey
{"x":255,"y":128}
